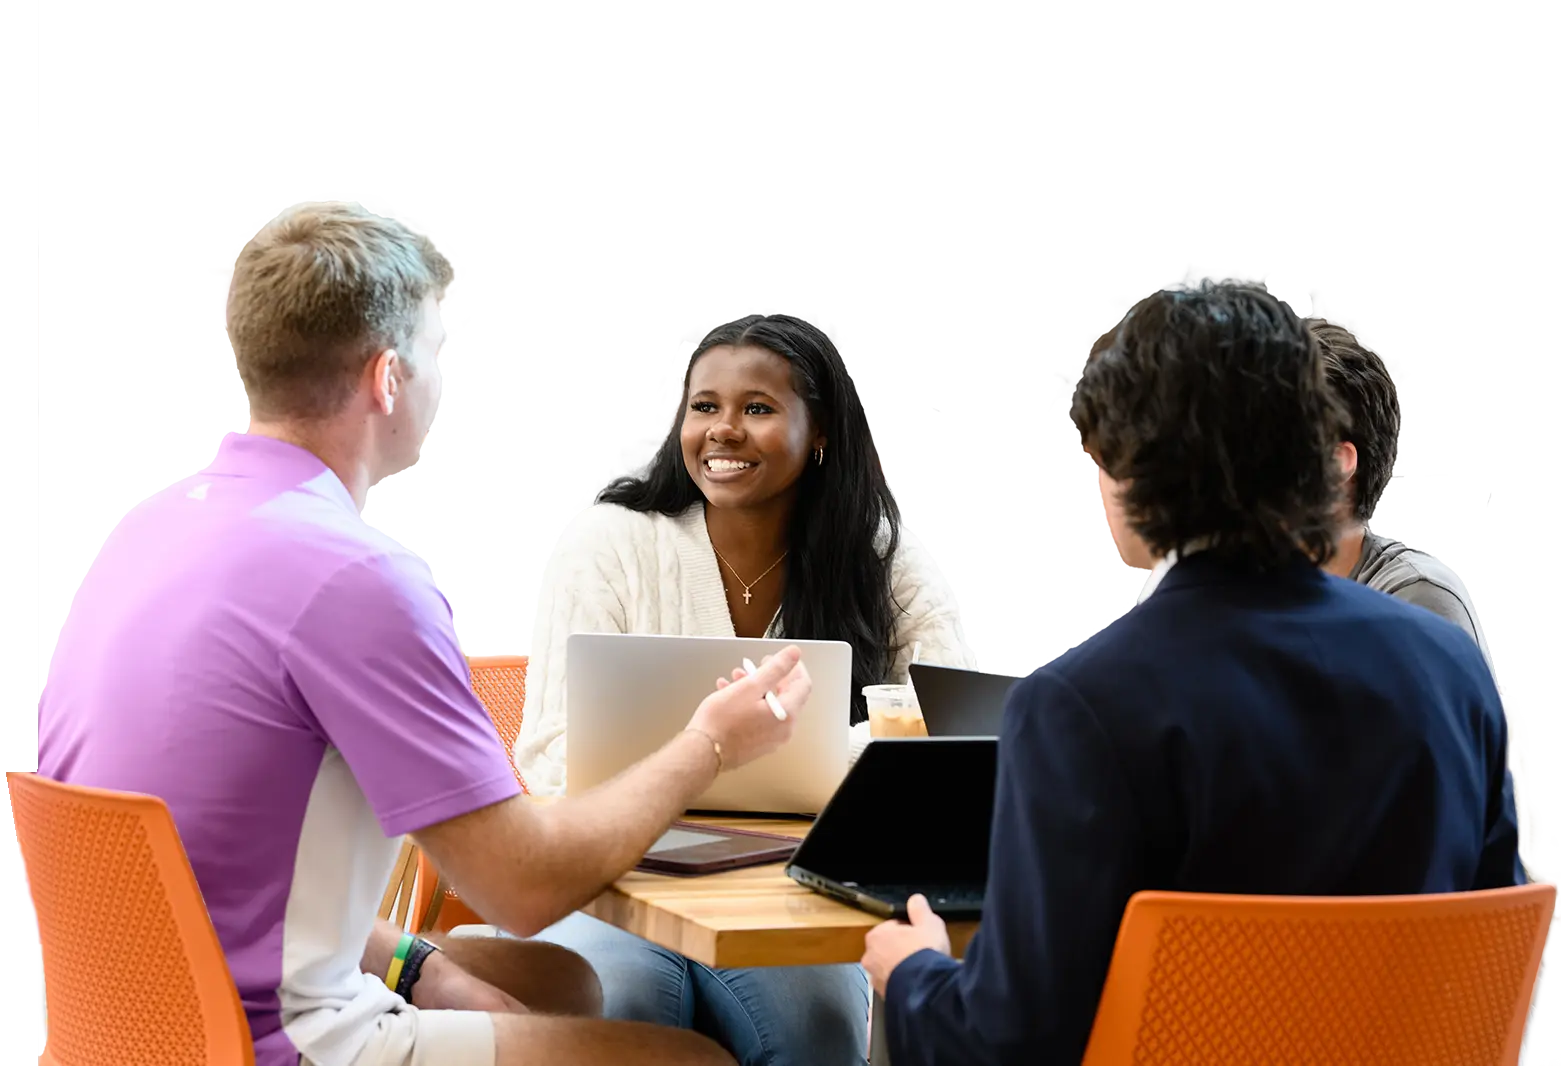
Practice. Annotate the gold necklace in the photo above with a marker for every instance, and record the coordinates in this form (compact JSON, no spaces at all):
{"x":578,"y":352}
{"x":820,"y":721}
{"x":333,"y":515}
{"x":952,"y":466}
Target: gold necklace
{"x":748,"y":585}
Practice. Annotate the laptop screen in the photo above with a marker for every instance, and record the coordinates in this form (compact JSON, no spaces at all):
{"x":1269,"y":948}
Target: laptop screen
{"x":961,"y":703}
{"x":910,"y":811}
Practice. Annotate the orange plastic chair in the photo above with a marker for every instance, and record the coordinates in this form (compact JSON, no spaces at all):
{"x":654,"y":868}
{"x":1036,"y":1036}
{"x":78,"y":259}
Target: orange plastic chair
{"x":133,"y":972}
{"x":1434,"y":980}
{"x":500,"y":682}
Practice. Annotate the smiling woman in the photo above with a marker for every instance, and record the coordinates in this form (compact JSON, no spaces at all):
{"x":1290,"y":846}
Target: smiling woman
{"x":765,"y":512}
{"x":746,"y":437}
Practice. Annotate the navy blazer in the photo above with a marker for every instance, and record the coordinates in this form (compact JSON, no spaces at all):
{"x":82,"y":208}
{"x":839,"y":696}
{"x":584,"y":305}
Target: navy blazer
{"x":1279,"y":733}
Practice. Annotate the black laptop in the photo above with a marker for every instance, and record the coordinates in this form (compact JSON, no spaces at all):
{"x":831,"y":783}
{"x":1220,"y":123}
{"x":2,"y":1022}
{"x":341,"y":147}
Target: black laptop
{"x":913,"y":815}
{"x":961,"y":703}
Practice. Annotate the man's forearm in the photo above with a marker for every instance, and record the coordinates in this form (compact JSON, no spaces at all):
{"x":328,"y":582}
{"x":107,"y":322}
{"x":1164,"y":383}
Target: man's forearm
{"x":524,"y":865}
{"x":381,"y":948}
{"x":586,"y":842}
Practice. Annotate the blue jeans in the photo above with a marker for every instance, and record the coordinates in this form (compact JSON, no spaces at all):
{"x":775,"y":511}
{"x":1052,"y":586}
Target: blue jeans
{"x":766,"y":1016}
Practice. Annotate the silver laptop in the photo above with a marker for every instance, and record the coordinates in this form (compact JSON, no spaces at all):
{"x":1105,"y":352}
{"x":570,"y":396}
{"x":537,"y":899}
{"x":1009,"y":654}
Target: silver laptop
{"x":630,"y":694}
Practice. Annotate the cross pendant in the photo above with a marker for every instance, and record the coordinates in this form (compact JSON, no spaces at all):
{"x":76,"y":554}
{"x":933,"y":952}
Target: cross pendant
{"x":747,"y":596}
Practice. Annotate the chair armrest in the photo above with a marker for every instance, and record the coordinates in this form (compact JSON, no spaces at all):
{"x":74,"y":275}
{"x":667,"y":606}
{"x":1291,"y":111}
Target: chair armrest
{"x":400,"y":886}
{"x":436,"y":904}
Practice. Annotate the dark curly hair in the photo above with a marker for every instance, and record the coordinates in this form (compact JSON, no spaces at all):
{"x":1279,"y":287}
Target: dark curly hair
{"x":1211,"y":406}
{"x":1361,"y":382}
{"x":845,"y":527}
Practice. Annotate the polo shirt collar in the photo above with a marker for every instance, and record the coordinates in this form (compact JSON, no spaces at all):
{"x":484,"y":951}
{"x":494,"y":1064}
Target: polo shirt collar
{"x":276,"y":462}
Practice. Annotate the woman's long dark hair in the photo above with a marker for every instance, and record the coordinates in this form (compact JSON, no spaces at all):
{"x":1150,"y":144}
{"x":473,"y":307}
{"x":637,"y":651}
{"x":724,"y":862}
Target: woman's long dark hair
{"x":837,"y":583}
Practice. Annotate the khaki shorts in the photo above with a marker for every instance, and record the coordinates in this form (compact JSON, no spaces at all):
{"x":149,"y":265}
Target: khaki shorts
{"x":412,"y":1037}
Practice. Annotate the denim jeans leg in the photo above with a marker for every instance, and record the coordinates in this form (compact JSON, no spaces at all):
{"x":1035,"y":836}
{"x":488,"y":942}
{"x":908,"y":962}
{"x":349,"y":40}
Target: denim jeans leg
{"x":640,"y":981}
{"x":785,"y":1015}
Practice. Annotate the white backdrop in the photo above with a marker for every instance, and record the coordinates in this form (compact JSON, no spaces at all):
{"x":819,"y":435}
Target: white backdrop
{"x":963,"y":199}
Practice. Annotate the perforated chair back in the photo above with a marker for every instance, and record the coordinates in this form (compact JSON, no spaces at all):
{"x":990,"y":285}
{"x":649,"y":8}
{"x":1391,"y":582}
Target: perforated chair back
{"x":133,"y":972}
{"x":500,"y":683}
{"x":1441,"y":980}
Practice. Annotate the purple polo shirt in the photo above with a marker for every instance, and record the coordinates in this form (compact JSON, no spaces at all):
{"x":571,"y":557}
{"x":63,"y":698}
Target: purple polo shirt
{"x":288,"y":680}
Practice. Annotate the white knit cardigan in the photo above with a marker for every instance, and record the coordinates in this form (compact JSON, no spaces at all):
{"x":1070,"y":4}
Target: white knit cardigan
{"x":620,"y":571}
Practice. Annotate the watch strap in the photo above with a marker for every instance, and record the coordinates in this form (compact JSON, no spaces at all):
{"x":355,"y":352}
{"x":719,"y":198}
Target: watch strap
{"x":412,"y":968}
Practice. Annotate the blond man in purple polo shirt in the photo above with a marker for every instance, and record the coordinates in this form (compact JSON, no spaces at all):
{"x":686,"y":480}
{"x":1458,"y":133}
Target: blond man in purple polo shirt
{"x":288,"y":679}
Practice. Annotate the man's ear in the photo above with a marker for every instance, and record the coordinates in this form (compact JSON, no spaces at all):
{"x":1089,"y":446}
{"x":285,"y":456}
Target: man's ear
{"x":1347,"y":458}
{"x":383,"y":374}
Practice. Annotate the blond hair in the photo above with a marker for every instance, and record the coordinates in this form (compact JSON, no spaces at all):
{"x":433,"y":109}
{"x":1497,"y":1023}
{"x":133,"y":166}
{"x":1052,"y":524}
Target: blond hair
{"x":318,"y":292}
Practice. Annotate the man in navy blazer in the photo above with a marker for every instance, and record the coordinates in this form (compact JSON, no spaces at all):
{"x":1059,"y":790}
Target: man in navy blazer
{"x":1254,"y":725}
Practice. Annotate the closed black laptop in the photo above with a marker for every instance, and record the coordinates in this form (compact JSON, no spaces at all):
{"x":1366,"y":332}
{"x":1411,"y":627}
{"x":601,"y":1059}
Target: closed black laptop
{"x":961,"y":703}
{"x":913,"y":815}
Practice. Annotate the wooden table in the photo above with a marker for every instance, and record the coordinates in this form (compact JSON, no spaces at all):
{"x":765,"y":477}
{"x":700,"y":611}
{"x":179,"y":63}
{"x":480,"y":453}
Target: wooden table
{"x":752,"y":917}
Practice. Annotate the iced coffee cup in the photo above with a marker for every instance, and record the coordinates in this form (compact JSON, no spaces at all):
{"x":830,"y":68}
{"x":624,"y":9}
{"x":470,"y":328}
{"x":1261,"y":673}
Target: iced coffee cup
{"x":892,"y":711}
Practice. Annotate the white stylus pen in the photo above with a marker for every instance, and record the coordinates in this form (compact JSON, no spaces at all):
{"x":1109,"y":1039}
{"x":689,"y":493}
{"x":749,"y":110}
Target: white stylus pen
{"x":769,"y":697}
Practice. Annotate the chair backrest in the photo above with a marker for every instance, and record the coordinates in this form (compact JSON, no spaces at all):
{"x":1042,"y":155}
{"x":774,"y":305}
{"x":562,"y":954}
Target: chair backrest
{"x":1435,"y":980}
{"x":133,"y":971}
{"x":500,"y":682}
